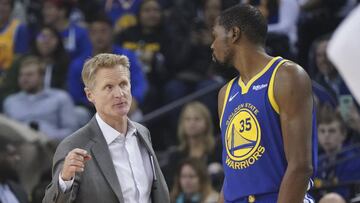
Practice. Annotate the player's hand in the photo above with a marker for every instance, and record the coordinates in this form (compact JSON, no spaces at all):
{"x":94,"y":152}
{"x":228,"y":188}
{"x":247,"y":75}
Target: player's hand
{"x":74,"y":162}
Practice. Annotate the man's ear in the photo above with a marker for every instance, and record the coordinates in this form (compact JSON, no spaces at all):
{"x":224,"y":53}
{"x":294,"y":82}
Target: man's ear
{"x":89,"y":95}
{"x":235,"y":34}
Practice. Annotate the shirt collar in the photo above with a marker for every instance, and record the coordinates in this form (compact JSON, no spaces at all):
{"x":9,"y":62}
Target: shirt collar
{"x":110,"y":133}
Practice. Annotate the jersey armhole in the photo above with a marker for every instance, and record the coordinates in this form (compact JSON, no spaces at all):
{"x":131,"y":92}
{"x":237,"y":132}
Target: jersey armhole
{"x":227,"y":92}
{"x":271,"y":95}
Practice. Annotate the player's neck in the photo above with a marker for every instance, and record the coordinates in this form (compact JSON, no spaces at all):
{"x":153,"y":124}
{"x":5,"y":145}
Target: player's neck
{"x":250,"y":61}
{"x":119,"y":124}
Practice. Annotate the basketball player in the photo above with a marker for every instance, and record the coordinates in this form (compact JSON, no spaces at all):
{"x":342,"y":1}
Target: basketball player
{"x":266,"y":115}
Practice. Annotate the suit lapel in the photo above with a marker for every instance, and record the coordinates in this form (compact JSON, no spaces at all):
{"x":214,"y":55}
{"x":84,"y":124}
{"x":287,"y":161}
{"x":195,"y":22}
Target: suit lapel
{"x":143,"y":137}
{"x":101,"y":153}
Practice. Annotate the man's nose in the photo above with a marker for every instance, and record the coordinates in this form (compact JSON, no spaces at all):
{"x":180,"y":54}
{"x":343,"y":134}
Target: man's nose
{"x":119,"y":92}
{"x":327,"y":134}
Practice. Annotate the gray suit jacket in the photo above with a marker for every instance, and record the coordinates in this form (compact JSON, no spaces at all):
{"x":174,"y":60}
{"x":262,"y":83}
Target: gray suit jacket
{"x":99,"y":183}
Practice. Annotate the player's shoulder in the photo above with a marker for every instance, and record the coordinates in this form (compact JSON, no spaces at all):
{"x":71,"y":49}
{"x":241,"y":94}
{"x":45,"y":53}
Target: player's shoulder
{"x":292,"y":73}
{"x":291,"y":80}
{"x":223,"y":89}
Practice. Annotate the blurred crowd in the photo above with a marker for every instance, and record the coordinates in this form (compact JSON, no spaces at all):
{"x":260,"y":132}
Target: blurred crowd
{"x":44,"y":44}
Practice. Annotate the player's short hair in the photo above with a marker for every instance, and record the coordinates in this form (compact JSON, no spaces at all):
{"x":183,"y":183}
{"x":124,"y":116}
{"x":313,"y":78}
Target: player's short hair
{"x":100,"y":61}
{"x":248,"y":19}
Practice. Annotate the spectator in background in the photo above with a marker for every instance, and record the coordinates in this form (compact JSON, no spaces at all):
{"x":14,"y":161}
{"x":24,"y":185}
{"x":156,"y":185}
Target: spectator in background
{"x":122,"y":13}
{"x":101,"y":40}
{"x":75,"y":38}
{"x":326,"y":74}
{"x":322,"y":96}
{"x":51,"y":111}
{"x":196,"y":137}
{"x":318,"y":17}
{"x":282,"y":19}
{"x":150,"y":40}
{"x":192,"y":184}
{"x":13,"y":36}
{"x":352,"y":120}
{"x":339,"y":162}
{"x":10,"y":190}
{"x":286,"y":24}
{"x":194,"y":71}
{"x":49,"y":48}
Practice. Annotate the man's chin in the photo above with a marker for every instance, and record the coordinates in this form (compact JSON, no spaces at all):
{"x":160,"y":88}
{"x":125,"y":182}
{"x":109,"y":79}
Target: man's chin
{"x":215,"y":60}
{"x":120,"y":112}
{"x":220,"y":63}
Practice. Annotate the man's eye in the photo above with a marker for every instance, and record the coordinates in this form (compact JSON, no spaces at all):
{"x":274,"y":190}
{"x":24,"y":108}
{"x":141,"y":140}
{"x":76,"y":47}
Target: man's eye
{"x":123,"y":84}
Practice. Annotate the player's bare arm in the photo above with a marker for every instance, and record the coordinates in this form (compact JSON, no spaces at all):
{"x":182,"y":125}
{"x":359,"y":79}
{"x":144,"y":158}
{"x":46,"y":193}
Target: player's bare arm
{"x":221,"y":103}
{"x":294,"y":97}
{"x":221,"y":97}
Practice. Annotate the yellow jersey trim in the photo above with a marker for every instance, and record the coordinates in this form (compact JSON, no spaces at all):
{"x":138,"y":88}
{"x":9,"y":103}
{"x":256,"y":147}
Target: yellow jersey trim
{"x":271,"y":88}
{"x":227,"y":92}
{"x":245,"y":88}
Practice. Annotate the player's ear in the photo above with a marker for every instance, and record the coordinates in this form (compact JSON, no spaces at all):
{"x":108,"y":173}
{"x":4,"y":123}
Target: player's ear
{"x":235,"y":34}
{"x":89,"y":95}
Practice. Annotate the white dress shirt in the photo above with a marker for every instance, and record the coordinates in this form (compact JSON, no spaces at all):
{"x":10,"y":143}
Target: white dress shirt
{"x":6,"y":195}
{"x":131,"y":161}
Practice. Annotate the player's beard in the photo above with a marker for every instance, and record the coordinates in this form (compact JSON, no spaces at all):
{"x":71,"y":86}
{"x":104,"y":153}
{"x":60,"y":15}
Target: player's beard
{"x":227,"y":62}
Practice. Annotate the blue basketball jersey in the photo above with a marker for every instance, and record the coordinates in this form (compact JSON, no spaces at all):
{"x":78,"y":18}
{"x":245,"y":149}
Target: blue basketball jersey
{"x":253,"y":151}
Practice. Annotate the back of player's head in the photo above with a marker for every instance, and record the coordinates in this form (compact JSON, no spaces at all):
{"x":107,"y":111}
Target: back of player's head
{"x":248,"y":19}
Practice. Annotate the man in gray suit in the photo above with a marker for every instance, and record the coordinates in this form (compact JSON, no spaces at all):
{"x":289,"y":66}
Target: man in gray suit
{"x":111,"y":158}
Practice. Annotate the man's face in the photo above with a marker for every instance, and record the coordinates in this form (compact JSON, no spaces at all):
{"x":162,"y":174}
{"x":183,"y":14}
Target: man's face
{"x":30,"y":79}
{"x":5,"y":10}
{"x":46,"y":42}
{"x":189,"y":180}
{"x":194,"y":123}
{"x":51,"y":13}
{"x":111,"y":92}
{"x":150,"y":14}
{"x":100,"y":35}
{"x":220,"y":45}
{"x":323,"y":64}
{"x":331,"y":137}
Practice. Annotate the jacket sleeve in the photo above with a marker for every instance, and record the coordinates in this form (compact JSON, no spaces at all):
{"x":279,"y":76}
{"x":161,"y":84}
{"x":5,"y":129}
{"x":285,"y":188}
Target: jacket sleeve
{"x":53,"y":193}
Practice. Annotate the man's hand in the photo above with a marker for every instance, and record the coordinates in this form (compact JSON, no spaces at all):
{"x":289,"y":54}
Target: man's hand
{"x":74,"y":162}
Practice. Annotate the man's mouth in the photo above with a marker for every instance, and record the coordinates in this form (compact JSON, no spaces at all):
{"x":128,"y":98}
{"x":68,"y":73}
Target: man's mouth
{"x":119,"y":104}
